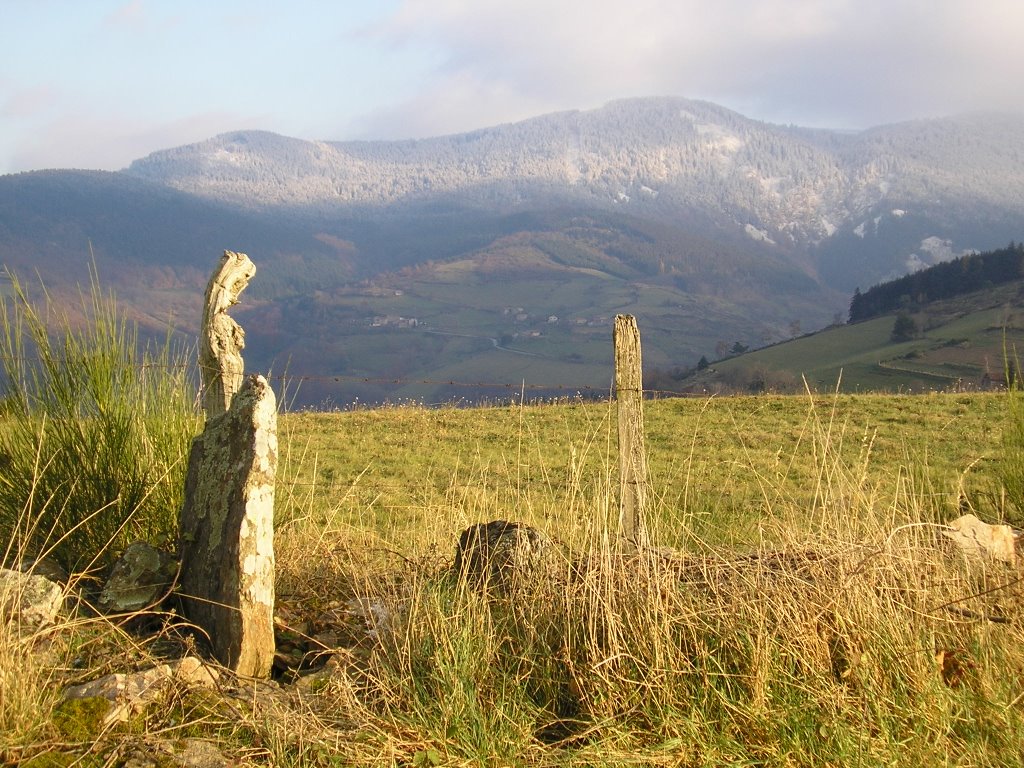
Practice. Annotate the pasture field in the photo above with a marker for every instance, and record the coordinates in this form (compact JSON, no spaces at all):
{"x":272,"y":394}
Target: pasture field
{"x":718,"y":465}
{"x":808,"y":613}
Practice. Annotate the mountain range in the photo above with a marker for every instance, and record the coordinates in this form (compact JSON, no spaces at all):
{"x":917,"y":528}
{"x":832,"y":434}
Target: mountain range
{"x":498,"y":256}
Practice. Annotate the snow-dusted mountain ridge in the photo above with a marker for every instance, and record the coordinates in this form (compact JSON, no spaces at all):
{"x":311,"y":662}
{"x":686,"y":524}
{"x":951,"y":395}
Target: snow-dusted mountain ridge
{"x":709,"y":227}
{"x":791,"y":186}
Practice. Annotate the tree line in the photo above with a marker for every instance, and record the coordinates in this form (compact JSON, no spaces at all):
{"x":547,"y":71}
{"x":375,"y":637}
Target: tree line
{"x":964,"y":274}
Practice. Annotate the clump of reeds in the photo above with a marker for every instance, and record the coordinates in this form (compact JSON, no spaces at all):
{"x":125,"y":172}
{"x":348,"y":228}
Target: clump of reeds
{"x":96,"y":431}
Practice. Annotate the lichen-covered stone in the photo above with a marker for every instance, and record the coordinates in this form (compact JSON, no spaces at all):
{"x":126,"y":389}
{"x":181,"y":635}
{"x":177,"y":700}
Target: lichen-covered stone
{"x":221,"y":339}
{"x":82,"y":718}
{"x":226,"y":531}
{"x":29,"y":600}
{"x":498,"y":551}
{"x":114,"y":698}
{"x":139,"y":579}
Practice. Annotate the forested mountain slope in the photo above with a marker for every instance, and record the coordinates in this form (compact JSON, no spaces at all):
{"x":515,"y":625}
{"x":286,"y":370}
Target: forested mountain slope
{"x":713,"y":228}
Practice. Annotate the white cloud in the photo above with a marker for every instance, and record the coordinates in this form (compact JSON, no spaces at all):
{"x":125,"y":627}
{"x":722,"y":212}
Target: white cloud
{"x":131,"y":73}
{"x":847,"y":63}
{"x":462,"y":101}
{"x":112,"y":143}
{"x":129,"y":14}
{"x":27,"y":102}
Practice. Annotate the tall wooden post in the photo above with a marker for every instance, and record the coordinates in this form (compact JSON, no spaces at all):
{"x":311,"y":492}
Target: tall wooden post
{"x":633,"y":480}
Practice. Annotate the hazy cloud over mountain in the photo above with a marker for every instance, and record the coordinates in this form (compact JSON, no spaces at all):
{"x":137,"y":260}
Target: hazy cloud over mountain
{"x":98,"y":84}
{"x":835,"y":63}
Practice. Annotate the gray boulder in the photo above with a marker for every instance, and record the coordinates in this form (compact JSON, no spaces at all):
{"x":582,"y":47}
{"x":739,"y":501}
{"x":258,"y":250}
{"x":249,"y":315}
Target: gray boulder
{"x":497,"y":552}
{"x":140,"y":578}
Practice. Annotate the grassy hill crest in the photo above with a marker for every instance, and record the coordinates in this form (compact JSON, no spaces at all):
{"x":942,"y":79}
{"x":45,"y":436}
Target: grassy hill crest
{"x":961,"y":343}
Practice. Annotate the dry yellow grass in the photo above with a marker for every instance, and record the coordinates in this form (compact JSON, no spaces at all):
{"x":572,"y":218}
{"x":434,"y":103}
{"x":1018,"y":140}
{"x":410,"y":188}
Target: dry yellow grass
{"x":809,"y":613}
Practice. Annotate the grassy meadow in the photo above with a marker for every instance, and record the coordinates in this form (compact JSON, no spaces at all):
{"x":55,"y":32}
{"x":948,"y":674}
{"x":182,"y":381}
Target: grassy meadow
{"x":808,"y":616}
{"x":800,"y":608}
{"x":719,"y":466}
{"x":960,"y":342}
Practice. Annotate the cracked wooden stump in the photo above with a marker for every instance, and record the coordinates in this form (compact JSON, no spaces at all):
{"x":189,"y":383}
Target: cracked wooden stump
{"x":226,"y":527}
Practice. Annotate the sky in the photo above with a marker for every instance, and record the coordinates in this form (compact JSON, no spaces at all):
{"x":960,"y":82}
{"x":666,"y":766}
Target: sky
{"x":98,"y":83}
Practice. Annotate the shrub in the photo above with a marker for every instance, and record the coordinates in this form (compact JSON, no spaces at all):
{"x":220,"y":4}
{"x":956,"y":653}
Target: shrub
{"x":904,"y":328}
{"x":94,"y":449}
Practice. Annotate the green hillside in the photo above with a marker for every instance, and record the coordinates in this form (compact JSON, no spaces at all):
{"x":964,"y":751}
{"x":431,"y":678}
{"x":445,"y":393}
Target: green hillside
{"x":960,"y":344}
{"x":533,"y":308}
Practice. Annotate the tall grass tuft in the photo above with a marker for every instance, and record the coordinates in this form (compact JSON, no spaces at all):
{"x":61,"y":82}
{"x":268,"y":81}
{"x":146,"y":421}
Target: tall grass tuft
{"x":96,"y":430}
{"x":837,"y":654}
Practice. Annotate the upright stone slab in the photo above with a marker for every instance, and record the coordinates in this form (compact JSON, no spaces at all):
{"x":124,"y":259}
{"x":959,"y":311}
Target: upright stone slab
{"x":221,"y":339}
{"x":226,"y":530}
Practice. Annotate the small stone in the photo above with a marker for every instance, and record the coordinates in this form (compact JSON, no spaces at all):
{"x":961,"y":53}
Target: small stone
{"x":138,"y":580}
{"x":976,"y":538}
{"x":193,"y":672}
{"x":129,"y":693}
{"x":183,"y":753}
{"x":45,"y":566}
{"x":29,"y":600}
{"x":495,"y":552}
{"x":196,"y":753}
{"x":326,"y":640}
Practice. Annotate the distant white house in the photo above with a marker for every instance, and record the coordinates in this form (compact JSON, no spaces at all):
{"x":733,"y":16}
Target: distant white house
{"x":394,"y":321}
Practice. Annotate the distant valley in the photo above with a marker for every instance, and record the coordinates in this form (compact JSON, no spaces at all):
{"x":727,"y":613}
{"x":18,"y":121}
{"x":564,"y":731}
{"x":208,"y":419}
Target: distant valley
{"x":464,"y":265}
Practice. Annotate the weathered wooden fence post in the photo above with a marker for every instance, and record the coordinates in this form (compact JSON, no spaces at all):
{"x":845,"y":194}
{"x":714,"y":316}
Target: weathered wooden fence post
{"x":226,"y":527}
{"x":633,"y":480}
